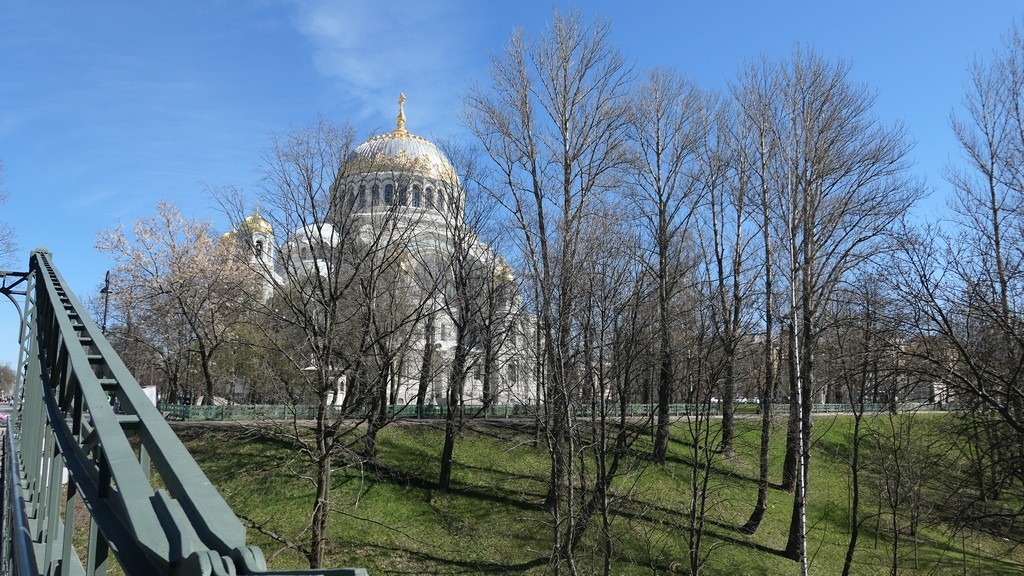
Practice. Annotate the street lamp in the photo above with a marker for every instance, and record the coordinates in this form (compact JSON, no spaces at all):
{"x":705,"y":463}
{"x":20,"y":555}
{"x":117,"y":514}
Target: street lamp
{"x":106,"y":300}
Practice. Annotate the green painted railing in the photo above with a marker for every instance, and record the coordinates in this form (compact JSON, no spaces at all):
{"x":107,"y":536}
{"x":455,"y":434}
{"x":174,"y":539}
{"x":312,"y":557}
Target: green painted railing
{"x":255,"y":412}
{"x":65,"y":445}
{"x":249,"y":412}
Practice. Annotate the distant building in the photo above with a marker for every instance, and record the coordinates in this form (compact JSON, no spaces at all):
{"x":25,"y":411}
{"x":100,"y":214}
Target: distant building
{"x":406,"y":181}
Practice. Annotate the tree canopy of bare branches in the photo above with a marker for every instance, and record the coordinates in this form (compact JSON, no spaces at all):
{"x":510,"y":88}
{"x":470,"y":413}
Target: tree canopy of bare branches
{"x":551,"y":121}
{"x":7,"y":243}
{"x":964,"y":285}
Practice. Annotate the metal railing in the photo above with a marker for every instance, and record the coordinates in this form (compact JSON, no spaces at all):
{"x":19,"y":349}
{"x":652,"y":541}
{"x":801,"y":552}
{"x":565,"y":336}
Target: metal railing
{"x":256,"y":412}
{"x":249,"y":412}
{"x":71,"y":461}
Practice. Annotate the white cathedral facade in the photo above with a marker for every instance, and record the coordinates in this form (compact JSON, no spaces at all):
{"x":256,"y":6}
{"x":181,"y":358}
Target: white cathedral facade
{"x":401,"y":180}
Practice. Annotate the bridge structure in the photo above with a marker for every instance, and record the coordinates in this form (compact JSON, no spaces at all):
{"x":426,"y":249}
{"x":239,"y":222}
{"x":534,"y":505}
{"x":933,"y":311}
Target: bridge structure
{"x":85,"y":486}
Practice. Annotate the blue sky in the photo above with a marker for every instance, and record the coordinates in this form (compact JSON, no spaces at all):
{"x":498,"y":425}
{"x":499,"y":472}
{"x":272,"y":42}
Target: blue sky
{"x":107,"y":108}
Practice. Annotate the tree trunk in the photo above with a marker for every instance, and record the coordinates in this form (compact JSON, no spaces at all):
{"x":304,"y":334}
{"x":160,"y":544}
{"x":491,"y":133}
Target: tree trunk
{"x":664,"y":389}
{"x":322,"y":502}
{"x":761,"y":506}
{"x":427,"y":368}
{"x":728,"y":399}
{"x":664,"y":353}
{"x":204,"y":361}
{"x":855,"y":494}
{"x":768,"y":385}
{"x":377,"y":417}
{"x":789,"y":471}
{"x":796,"y":544}
{"x":490,"y":394}
{"x":451,"y":428}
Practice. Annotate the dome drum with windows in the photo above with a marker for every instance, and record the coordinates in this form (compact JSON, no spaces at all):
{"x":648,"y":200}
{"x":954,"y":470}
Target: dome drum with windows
{"x":400,"y":170}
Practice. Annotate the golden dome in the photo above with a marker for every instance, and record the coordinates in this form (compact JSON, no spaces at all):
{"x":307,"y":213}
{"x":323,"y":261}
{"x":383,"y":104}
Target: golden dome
{"x":256,"y":224}
{"x":400,"y":151}
{"x":503,"y":272}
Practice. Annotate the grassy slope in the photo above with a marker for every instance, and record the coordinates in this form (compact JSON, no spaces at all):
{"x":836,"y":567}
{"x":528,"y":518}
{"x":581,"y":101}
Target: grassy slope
{"x":391,"y":521}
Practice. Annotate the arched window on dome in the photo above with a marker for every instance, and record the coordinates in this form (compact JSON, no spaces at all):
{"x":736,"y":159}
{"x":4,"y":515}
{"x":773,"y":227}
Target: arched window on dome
{"x":389,"y":194}
{"x":403,"y":195}
{"x":440,"y":201}
{"x":351,"y":197}
{"x":362,"y":197}
{"x":416,"y":196}
{"x":257,"y":247}
{"x":428,"y":197}
{"x":375,"y":191}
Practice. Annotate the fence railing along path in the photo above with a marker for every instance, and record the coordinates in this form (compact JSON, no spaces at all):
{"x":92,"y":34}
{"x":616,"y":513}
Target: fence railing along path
{"x":250,"y":412}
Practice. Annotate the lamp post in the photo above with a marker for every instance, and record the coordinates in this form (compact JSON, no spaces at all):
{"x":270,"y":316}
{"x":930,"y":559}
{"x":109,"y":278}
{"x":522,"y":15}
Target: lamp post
{"x":106,"y":300}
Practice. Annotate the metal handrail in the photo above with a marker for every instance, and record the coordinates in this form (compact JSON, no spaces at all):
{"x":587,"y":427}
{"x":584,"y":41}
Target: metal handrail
{"x":17,"y":538}
{"x":65,"y":427}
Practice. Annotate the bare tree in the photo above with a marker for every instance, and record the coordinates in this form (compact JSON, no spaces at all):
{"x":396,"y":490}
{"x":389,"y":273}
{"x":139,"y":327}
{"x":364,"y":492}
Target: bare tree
{"x":341,"y":299}
{"x":7,"y":379}
{"x":964,"y":285}
{"x":757,"y":156}
{"x":7,"y":244}
{"x":840,"y":186}
{"x":477,"y":296}
{"x":666,"y":127}
{"x":863,"y":343}
{"x":551,"y":122}
{"x":902,"y":467}
{"x":616,"y":351}
{"x":704,"y":368}
{"x":726,"y":182}
{"x":989,"y":195}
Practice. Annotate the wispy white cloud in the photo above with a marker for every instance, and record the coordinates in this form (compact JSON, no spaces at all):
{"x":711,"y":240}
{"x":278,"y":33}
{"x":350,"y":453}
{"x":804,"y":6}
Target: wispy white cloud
{"x":375,"y":50}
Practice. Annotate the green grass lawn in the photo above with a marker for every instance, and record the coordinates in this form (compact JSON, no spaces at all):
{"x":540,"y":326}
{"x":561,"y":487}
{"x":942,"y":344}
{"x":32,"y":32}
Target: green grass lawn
{"x":389,"y":518}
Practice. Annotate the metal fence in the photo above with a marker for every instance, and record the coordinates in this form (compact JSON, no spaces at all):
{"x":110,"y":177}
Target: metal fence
{"x":255,"y":412}
{"x":243,"y":412}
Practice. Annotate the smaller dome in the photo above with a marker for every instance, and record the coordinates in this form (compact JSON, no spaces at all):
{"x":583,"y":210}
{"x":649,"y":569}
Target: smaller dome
{"x":315,"y":235}
{"x":503,"y":272}
{"x":256,"y":224}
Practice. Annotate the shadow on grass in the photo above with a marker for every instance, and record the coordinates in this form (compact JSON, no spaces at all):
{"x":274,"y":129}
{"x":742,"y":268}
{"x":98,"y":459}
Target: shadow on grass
{"x":386,"y":473}
{"x":675,"y":459}
{"x":444,"y":565}
{"x":725,"y":533}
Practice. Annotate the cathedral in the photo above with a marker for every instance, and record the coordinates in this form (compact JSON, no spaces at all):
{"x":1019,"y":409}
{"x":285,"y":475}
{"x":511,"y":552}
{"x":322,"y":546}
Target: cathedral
{"x":404,"y":183}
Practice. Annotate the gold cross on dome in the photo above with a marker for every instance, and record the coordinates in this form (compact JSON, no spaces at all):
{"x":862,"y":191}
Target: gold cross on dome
{"x":401,"y":112}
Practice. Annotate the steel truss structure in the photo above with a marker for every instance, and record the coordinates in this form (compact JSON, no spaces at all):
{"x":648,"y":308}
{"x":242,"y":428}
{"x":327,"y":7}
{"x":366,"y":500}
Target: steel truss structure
{"x":71,"y":461}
